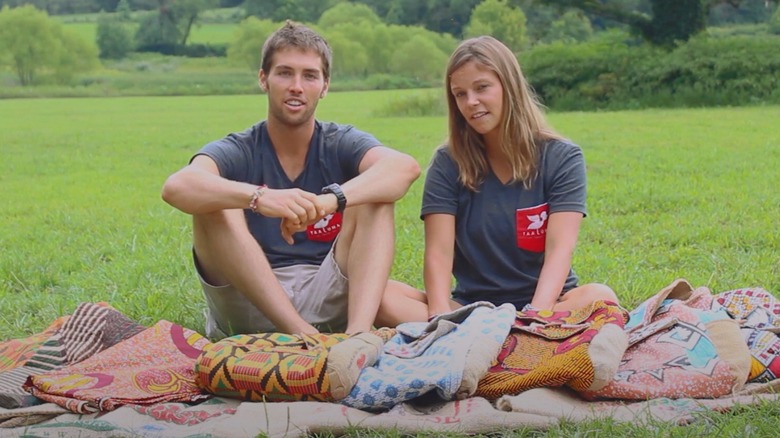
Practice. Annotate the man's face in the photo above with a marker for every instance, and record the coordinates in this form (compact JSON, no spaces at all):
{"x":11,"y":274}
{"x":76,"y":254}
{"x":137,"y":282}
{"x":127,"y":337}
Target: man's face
{"x":295,"y":84}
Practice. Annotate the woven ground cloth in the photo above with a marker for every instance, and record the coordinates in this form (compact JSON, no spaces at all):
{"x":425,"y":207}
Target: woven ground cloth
{"x":537,"y":409}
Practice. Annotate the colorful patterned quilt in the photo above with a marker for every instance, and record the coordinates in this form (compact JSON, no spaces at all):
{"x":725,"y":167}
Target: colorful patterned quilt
{"x":91,"y":328}
{"x":679,"y":348}
{"x":282,"y":367}
{"x":758,"y":314}
{"x":144,"y":385}
{"x":153,"y":366}
{"x":580,"y":349}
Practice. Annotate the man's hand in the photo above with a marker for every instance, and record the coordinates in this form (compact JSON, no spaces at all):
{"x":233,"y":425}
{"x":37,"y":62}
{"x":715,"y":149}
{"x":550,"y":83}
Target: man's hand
{"x":323,"y":206}
{"x":295,"y":205}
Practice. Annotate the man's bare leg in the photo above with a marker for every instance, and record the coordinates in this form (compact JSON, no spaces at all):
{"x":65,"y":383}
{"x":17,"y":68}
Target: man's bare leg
{"x":228,"y":254}
{"x":364,"y":252}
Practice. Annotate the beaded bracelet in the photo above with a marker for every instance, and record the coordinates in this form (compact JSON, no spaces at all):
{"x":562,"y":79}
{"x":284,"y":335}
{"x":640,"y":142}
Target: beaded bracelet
{"x":259,"y":191}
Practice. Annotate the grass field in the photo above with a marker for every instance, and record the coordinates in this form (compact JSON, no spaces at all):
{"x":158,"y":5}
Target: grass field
{"x":680,"y":193}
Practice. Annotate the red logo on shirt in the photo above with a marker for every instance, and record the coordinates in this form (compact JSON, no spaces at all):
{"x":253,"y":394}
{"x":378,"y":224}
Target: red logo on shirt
{"x":531,"y":224}
{"x":326,"y":229}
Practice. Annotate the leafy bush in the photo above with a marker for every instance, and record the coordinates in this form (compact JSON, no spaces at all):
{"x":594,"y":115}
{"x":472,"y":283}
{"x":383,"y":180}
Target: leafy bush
{"x":715,"y":71}
{"x":757,"y":29}
{"x":612,"y":74}
{"x":582,"y":76}
{"x":189,"y":51}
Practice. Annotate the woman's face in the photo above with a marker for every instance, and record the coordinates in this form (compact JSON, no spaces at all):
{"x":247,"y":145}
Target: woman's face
{"x":479,"y":96}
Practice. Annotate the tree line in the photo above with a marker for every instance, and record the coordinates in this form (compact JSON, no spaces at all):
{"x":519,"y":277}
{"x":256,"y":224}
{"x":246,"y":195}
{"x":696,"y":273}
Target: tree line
{"x":659,"y":21}
{"x":369,"y":39}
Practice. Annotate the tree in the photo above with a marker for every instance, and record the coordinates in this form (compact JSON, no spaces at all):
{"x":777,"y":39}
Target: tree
{"x":498,"y":19}
{"x":247,"y":45}
{"x":377,"y":40}
{"x":419,"y":58}
{"x":172,"y":24}
{"x":113,"y":39}
{"x":349,"y":56}
{"x":157,"y":30}
{"x":449,"y":16}
{"x":774,"y":22}
{"x":437,"y":15}
{"x":123,"y":10}
{"x":724,"y":12}
{"x":34,"y":45}
{"x":348,"y":13}
{"x":186,"y":13}
{"x":308,"y":11}
{"x":572,"y":26}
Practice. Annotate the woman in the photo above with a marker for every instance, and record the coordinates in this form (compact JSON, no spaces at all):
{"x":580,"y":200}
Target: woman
{"x":503,"y":200}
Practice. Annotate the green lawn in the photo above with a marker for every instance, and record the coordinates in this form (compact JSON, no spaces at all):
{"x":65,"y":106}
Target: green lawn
{"x":682,"y":193}
{"x":672,"y":193}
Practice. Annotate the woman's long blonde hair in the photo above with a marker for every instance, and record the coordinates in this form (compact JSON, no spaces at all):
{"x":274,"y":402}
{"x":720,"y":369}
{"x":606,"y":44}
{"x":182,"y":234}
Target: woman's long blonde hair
{"x":524,"y":127}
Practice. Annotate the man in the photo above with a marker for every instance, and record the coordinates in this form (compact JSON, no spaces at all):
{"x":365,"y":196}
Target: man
{"x":268,"y":203}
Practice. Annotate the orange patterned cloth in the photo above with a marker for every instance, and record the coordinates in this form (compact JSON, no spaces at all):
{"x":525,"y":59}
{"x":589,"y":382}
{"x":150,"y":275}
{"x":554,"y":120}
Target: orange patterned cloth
{"x":268,"y":367}
{"x":15,"y":352}
{"x":153,"y":366}
{"x":547,"y":348}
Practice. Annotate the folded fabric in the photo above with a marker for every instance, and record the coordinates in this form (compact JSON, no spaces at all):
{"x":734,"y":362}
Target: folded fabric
{"x":26,"y":416}
{"x":441,"y":360}
{"x":154,"y":366}
{"x":15,"y":352}
{"x":283,"y":367}
{"x":679,"y":348}
{"x":580,"y":349}
{"x":91,"y":328}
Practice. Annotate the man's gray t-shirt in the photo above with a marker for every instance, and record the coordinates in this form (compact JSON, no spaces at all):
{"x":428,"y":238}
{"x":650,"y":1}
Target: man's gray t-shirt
{"x":334,"y":156}
{"x":500,"y":229}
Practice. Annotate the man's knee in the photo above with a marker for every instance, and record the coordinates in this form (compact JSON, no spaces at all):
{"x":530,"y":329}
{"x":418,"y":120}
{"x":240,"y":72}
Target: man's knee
{"x":373,"y":214}
{"x":208,"y":221}
{"x":375,"y":209}
{"x":599,"y":291}
{"x":210,"y":233}
{"x":216,"y":224}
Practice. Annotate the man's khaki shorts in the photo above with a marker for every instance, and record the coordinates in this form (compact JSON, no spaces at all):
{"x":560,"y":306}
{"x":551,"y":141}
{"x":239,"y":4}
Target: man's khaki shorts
{"x":318,"y":293}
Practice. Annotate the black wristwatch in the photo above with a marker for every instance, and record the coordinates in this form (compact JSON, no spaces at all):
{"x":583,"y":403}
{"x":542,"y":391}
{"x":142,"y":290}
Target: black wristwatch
{"x":336,"y":190}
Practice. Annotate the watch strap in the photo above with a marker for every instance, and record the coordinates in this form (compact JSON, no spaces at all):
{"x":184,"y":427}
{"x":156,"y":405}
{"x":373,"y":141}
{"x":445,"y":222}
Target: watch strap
{"x":340,"y":198}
